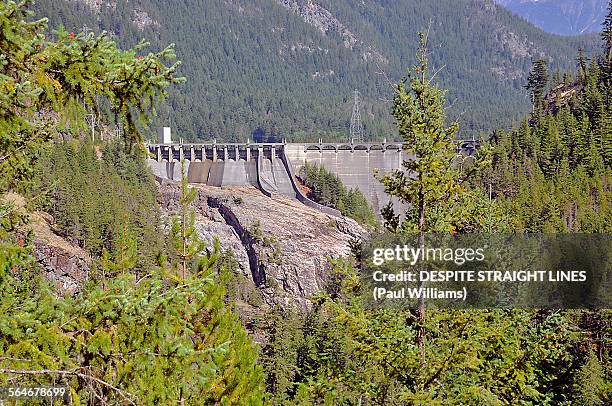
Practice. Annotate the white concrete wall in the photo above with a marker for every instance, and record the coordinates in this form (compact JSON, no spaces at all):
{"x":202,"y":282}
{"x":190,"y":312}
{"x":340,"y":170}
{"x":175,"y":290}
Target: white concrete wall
{"x":355,"y":168}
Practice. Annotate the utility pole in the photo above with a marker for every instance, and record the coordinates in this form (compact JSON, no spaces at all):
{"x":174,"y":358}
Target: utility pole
{"x":356,"y":128}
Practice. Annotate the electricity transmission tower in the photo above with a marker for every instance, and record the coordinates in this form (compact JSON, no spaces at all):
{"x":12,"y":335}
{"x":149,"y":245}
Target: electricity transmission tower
{"x":356,"y":128}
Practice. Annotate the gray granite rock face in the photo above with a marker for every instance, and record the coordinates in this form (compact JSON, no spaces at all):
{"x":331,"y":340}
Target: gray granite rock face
{"x":65,"y":269}
{"x":282,"y":247}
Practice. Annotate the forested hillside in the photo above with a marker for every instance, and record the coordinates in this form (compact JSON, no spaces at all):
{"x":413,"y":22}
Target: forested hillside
{"x":553,"y":172}
{"x":327,"y":189}
{"x":550,"y":175}
{"x":154,"y":325}
{"x":288,"y":68}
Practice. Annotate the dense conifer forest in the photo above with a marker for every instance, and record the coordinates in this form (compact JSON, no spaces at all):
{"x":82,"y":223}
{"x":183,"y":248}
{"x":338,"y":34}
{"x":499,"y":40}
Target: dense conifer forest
{"x":256,"y":69}
{"x":553,"y":171}
{"x":154,"y":324}
{"x":549,"y":175}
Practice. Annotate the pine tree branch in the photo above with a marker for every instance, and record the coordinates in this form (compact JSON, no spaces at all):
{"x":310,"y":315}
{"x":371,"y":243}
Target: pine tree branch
{"x":13,"y":152}
{"x":436,"y":72}
{"x":444,"y":364}
{"x":14,"y":359}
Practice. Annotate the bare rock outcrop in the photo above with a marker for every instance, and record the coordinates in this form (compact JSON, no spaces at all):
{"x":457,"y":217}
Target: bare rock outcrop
{"x":140,"y":18}
{"x":97,"y":5}
{"x":323,"y":20}
{"x":64,"y":264}
{"x":66,"y":270}
{"x":282,"y":246}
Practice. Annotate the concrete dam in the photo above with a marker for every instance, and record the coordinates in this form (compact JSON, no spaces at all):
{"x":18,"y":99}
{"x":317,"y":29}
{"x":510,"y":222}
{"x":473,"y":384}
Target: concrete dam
{"x":273,"y":167}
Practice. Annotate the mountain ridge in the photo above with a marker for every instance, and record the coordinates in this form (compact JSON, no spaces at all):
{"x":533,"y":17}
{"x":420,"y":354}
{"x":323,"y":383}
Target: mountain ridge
{"x":287,"y":68}
{"x":564,"y":17}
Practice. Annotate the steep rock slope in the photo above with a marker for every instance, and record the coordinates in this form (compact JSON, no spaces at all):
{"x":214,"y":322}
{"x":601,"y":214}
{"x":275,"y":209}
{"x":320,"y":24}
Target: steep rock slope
{"x":282,"y":247}
{"x":63,"y":264}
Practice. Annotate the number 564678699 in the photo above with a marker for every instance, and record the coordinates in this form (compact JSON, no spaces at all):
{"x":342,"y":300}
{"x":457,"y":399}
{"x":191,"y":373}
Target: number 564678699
{"x":24,"y":392}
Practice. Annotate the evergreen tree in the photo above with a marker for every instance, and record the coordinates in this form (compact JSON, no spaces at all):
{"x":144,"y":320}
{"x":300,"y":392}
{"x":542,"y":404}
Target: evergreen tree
{"x":123,"y":339}
{"x":45,"y":84}
{"x":537,"y":82}
{"x":345,"y":352}
{"x":185,"y":239}
{"x":148,"y":341}
{"x":431,"y":185}
{"x":262,"y":86}
{"x":92,"y":200}
{"x":590,"y":382}
{"x":606,"y":33}
{"x":327,"y":188}
{"x":582,"y":67}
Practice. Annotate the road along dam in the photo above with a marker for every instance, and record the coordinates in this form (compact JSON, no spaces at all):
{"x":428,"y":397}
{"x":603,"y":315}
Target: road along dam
{"x":274,"y":167}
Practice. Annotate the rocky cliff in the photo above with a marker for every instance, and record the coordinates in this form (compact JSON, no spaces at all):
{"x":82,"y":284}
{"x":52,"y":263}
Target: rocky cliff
{"x":64,"y":264}
{"x":282,"y":247}
{"x":323,"y":20}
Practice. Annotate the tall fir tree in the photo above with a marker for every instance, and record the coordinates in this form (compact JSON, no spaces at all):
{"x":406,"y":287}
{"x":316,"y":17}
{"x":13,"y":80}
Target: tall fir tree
{"x":537,"y":82}
{"x":431,"y":183}
{"x":186,"y":242}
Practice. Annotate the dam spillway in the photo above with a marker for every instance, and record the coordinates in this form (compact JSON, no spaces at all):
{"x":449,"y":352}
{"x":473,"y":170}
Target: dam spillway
{"x":273,"y":167}
{"x":263,"y":166}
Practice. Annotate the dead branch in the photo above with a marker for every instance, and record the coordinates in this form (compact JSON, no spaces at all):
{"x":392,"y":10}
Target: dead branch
{"x":88,"y":378}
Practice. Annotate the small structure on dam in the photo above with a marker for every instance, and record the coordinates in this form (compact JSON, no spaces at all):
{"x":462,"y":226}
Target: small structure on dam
{"x":273,"y":167}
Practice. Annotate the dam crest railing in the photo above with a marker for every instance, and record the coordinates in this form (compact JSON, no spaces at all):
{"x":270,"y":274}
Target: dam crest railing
{"x":222,"y":151}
